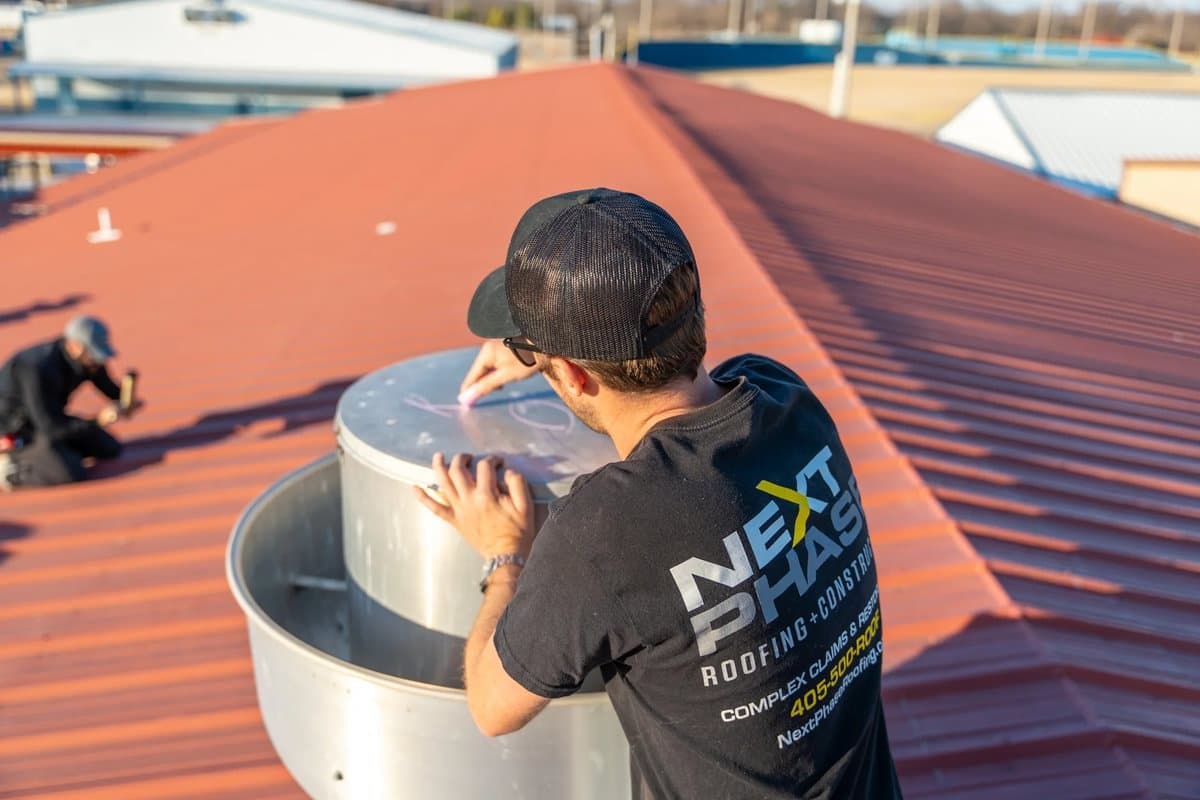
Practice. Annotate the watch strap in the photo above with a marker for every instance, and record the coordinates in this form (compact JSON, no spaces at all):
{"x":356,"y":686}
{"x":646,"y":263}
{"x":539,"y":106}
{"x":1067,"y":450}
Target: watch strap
{"x":495,"y":563}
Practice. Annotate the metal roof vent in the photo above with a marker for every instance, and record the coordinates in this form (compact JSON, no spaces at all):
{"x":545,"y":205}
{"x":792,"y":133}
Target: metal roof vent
{"x":358,"y":602}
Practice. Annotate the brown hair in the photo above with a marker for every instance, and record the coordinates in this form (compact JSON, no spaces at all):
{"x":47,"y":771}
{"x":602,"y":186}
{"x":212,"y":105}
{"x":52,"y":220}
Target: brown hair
{"x":681,"y":354}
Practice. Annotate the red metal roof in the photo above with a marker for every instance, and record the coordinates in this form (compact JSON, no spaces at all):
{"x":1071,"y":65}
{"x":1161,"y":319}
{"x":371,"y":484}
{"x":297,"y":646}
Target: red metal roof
{"x":1034,"y":354}
{"x":250,"y":286}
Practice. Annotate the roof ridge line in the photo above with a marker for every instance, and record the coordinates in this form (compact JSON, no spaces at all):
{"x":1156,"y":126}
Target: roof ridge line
{"x":674,"y":133}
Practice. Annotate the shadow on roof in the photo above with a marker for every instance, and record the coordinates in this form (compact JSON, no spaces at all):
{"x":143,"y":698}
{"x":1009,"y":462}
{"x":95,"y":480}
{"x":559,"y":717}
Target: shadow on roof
{"x":41,"y":307}
{"x":9,"y":531}
{"x":945,"y":705}
{"x":297,"y":411}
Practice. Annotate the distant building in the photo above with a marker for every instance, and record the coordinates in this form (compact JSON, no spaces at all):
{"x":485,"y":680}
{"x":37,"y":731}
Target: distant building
{"x":1167,"y":188}
{"x":12,"y":20}
{"x":560,"y":23}
{"x":819,"y":31}
{"x":244,"y":56}
{"x":1078,"y":139}
{"x":1004,"y":51}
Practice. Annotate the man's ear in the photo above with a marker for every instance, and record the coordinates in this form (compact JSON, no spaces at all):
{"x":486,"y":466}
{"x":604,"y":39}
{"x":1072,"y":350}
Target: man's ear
{"x":574,"y":379}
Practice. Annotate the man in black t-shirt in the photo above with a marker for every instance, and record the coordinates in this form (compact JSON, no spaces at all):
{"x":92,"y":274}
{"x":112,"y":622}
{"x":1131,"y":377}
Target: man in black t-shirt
{"x":719,"y":575}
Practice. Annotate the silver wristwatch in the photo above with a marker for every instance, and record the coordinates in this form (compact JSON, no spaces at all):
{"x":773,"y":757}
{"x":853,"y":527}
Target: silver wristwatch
{"x":495,"y":563}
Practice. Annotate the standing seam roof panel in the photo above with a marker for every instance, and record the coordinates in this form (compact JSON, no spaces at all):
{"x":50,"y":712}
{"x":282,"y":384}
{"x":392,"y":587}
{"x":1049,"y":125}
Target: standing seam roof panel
{"x":1034,"y":354}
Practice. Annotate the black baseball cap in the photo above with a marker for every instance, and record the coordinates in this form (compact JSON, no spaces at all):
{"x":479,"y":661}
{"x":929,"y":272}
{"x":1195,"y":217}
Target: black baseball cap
{"x":583,"y":268}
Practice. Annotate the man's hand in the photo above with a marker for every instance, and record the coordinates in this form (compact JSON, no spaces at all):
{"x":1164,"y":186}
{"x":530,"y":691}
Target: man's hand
{"x":494,"y":367}
{"x":107,"y":416}
{"x":110,"y":414}
{"x":494,"y":513}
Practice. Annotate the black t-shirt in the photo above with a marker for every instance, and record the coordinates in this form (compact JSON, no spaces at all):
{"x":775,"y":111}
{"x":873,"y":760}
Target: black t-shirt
{"x":35,"y":386}
{"x":742,"y":661}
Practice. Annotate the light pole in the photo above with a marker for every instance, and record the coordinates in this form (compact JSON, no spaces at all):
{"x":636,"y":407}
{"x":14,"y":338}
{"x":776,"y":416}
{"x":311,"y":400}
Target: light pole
{"x":644,"y":20}
{"x":912,"y":17}
{"x":1176,"y":31}
{"x":734,"y":25}
{"x":1089,"y":27}
{"x":609,"y":22}
{"x":839,"y":97}
{"x":547,"y":27}
{"x":1043,"y":30}
{"x":931,"y":24}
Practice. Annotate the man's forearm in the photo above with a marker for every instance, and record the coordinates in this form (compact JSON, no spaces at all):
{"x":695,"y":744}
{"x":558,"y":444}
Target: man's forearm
{"x":501,"y":587}
{"x":493,"y":510}
{"x":497,"y":703}
{"x":105,"y":384}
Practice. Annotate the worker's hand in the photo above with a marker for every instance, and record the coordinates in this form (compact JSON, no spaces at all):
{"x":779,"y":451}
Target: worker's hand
{"x":107,"y":416}
{"x":494,"y":367}
{"x":492,"y":509}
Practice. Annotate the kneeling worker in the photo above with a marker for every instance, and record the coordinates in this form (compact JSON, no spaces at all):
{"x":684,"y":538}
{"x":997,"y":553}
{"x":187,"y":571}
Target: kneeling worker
{"x":41,"y":444}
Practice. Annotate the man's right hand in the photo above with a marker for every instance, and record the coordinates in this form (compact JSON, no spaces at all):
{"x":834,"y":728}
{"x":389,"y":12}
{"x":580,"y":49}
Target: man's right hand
{"x":107,"y":416}
{"x":491,"y":507}
{"x":110,"y":414}
{"x":494,"y":367}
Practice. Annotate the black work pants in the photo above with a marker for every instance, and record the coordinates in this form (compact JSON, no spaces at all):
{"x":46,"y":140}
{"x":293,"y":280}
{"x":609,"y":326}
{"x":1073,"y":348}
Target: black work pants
{"x":46,"y":463}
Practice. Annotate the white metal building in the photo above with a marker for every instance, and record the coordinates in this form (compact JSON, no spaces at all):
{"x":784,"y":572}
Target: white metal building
{"x":1079,"y":139}
{"x":247,"y":54}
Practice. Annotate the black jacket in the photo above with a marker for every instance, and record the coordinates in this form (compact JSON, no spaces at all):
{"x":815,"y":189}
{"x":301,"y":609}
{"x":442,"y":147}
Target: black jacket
{"x":35,"y":385}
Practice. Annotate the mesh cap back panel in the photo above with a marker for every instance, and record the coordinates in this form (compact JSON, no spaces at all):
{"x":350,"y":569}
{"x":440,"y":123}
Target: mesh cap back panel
{"x":581,"y":285}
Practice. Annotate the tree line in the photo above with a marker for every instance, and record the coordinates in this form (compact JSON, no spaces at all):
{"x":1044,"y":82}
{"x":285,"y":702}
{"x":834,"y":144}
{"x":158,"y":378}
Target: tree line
{"x":1114,"y":22}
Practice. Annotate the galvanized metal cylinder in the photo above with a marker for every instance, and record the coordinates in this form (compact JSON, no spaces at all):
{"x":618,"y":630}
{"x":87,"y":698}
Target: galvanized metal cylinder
{"x":348,"y":733}
{"x":413,"y":581}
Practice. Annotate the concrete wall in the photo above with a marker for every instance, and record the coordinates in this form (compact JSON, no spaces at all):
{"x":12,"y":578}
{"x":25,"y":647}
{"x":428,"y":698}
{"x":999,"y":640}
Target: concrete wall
{"x":1169,"y":188}
{"x":154,"y":33}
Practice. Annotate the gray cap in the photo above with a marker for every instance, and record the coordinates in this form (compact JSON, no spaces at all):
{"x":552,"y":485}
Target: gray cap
{"x":93,"y":335}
